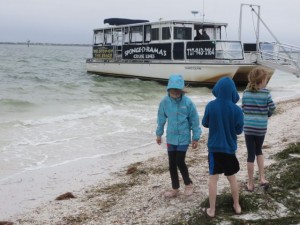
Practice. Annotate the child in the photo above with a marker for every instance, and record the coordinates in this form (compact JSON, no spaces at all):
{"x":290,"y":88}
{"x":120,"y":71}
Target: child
{"x":225,"y":121}
{"x":182,"y":117}
{"x":257,"y":106}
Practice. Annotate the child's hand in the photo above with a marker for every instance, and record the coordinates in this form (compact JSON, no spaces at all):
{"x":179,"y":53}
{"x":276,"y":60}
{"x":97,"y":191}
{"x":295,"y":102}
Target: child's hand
{"x":158,"y":140}
{"x":194,"y":144}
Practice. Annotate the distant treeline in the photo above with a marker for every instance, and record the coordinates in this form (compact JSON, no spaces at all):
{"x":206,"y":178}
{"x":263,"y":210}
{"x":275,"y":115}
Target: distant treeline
{"x":53,"y":44}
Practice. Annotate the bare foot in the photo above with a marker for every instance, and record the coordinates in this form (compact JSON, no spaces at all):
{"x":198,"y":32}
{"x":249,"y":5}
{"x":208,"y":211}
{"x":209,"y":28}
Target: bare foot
{"x":249,"y":188}
{"x":264,"y":182}
{"x":237,"y":209}
{"x":208,"y":212}
{"x":189,"y":189}
{"x":171,"y":193}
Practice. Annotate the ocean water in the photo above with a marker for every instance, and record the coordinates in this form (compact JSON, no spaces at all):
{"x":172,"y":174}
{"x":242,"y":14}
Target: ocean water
{"x":54,"y":113}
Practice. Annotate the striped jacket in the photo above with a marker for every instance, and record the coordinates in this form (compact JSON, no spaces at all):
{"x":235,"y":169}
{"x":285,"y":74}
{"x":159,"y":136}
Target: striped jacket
{"x":257,"y":107}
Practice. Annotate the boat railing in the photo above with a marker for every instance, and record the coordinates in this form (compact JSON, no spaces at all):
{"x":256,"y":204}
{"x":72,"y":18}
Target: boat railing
{"x":281,"y":56}
{"x":273,"y":54}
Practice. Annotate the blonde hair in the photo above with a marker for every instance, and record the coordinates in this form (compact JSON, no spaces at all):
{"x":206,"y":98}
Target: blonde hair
{"x":255,"y":77}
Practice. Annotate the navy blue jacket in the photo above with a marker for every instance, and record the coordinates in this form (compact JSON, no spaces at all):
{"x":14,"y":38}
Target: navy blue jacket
{"x":223,"y":117}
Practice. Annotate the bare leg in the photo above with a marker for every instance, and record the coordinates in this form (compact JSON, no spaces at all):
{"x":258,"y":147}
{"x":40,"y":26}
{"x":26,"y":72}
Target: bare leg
{"x":235,"y":193}
{"x":250,"y":168}
{"x":261,"y":169}
{"x":212,"y":190}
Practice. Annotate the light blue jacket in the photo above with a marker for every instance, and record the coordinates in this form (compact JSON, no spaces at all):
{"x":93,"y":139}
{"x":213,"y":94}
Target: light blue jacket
{"x":181,"y":116}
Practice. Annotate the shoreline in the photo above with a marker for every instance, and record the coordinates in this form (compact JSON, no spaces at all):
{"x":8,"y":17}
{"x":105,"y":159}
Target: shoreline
{"x":30,"y":188}
{"x":136,"y":198}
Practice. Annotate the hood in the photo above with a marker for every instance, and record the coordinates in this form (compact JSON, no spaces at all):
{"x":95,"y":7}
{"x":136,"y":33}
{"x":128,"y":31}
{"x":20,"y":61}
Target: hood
{"x":226,"y":89}
{"x":175,"y":82}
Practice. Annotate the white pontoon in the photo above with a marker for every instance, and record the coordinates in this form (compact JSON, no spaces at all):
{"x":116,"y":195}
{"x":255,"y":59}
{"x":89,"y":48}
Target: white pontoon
{"x":154,"y":50}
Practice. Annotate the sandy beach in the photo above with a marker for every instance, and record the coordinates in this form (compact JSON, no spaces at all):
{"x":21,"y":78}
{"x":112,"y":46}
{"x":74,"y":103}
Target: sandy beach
{"x":133,"y":195}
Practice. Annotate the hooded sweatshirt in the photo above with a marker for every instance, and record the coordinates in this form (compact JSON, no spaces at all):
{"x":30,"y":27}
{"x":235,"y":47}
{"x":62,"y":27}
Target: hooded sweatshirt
{"x":223,"y":118}
{"x":180,"y":114}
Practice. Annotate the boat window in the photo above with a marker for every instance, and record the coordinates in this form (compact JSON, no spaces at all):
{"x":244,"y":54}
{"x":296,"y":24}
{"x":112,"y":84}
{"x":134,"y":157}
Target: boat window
{"x":98,"y":37}
{"x":182,"y":33}
{"x":229,"y":50}
{"x":117,"y":36}
{"x":267,"y":50}
{"x":136,"y":34}
{"x":126,"y":35}
{"x":108,"y":36}
{"x":213,"y":32}
{"x":147,"y":30}
{"x":210,"y":32}
{"x":218,"y":33}
{"x":154,"y":34}
{"x":166,"y":33}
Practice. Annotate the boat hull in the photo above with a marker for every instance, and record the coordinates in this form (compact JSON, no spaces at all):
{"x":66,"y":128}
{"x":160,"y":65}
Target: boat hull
{"x":207,"y":74}
{"x":241,"y":75}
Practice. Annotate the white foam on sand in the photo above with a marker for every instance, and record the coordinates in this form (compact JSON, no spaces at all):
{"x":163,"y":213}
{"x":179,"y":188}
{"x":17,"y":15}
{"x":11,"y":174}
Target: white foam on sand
{"x":30,"y":188}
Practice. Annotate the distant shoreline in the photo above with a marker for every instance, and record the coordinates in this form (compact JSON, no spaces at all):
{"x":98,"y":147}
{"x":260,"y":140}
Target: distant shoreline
{"x":44,"y":44}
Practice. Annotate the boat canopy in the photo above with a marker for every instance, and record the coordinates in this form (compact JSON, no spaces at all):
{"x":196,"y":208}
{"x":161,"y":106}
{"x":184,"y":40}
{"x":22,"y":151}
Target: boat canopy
{"x":121,"y":21}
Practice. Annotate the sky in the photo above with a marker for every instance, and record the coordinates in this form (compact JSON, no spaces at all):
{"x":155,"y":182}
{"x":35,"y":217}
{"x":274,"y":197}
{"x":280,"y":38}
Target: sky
{"x":73,"y":21}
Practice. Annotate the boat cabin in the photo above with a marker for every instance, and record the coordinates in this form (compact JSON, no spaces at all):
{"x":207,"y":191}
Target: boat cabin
{"x":142,"y":40}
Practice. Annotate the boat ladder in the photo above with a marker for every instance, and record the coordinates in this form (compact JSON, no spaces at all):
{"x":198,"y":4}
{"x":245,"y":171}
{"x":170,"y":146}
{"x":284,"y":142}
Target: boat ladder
{"x":280,"y":56}
{"x":118,"y":39}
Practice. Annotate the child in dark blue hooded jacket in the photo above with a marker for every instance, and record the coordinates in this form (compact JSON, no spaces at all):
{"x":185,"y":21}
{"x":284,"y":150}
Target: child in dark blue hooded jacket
{"x":225,"y":121}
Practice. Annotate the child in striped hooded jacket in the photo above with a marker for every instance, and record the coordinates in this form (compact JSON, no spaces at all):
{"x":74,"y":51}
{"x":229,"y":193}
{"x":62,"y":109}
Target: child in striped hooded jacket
{"x":257,"y":106}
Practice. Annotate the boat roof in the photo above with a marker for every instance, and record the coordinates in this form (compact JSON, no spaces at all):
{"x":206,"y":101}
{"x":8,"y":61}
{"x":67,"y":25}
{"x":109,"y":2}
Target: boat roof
{"x":122,"y":22}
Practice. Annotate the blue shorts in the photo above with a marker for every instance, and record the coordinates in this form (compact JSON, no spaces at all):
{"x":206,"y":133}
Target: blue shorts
{"x":222,"y":163}
{"x":181,"y":148}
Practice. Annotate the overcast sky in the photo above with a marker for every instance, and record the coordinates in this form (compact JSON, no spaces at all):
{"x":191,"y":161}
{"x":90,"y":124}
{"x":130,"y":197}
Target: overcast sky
{"x":72,"y":21}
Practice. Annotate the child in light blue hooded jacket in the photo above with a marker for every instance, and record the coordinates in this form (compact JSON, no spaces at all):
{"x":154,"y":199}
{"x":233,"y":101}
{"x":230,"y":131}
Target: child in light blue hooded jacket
{"x":181,"y":116}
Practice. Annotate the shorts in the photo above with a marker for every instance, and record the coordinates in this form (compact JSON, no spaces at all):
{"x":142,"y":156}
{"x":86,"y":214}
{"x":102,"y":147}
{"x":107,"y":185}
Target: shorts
{"x":219,"y":163}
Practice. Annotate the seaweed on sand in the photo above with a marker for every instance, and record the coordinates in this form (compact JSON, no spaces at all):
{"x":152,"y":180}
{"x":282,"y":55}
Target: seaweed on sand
{"x":278,"y":205}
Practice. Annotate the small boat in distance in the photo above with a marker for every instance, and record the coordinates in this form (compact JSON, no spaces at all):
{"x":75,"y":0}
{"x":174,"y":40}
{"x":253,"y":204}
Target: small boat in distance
{"x":196,"y":50}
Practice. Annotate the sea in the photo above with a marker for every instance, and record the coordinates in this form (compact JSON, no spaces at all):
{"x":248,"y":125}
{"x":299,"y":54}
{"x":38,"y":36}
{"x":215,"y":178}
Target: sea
{"x":60,"y":122}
